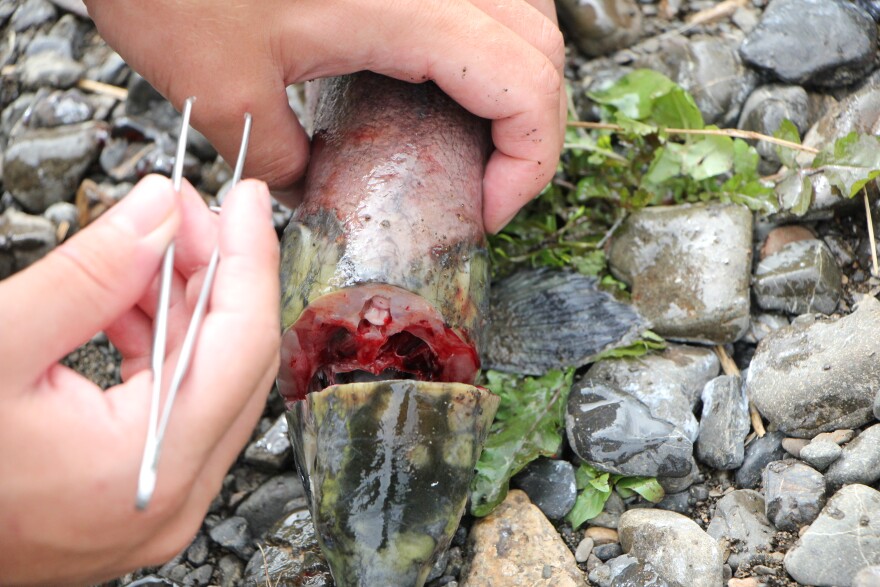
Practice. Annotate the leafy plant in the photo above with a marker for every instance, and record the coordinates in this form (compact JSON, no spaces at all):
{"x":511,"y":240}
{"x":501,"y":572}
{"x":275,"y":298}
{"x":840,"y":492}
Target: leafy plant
{"x":635,"y":161}
{"x":848,"y":165}
{"x":596,"y":486}
{"x":529,"y":423}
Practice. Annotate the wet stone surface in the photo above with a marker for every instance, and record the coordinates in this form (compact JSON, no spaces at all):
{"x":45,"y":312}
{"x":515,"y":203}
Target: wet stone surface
{"x":843,"y":539}
{"x":612,"y":429}
{"x":724,"y":423}
{"x":801,"y":277}
{"x":794,"y":494}
{"x":550,"y":485}
{"x":679,"y":550}
{"x":859,"y":460}
{"x":803,"y":380}
{"x":741,"y":527}
{"x":834,"y":39}
{"x":689,"y":269}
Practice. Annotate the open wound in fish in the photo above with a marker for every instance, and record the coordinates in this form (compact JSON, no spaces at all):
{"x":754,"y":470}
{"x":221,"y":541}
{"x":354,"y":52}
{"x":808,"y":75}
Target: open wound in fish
{"x":372,"y":332}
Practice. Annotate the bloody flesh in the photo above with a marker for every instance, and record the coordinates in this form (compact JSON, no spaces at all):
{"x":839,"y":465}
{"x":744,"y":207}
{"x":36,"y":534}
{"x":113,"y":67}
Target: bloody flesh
{"x":373,"y":329}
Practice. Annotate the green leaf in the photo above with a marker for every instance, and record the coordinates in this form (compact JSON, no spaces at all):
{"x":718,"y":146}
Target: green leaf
{"x":649,"y":341}
{"x":634,"y":94}
{"x":709,"y":157}
{"x":787,"y":131}
{"x":647,"y":487}
{"x":850,"y":163}
{"x":633,"y":126}
{"x":795,"y":192}
{"x":667,"y":164}
{"x":588,"y":505}
{"x":676,"y":109}
{"x":528,"y":424}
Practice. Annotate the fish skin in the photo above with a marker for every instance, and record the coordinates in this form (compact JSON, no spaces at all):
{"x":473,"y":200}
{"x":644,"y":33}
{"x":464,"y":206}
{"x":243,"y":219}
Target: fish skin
{"x":393,"y":196}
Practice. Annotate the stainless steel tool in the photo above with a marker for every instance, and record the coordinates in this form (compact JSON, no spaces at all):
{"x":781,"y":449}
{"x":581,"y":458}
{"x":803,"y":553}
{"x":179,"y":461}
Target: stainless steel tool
{"x":157,"y":426}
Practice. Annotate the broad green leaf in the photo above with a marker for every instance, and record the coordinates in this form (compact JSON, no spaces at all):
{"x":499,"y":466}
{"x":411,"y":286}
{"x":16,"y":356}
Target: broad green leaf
{"x":647,"y":487}
{"x":787,"y":132}
{"x":709,"y":157}
{"x":850,"y":163}
{"x":676,"y":109}
{"x":528,"y":424}
{"x":795,"y":192}
{"x":591,"y":263}
{"x":751,"y":192}
{"x":588,"y":505}
{"x":600,"y":483}
{"x":647,"y":342}
{"x":745,"y":159}
{"x":634,"y":94}
{"x":666,"y":165}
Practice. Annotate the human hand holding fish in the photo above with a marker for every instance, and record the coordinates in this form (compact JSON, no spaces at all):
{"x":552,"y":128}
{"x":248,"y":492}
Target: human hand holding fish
{"x":70,"y":451}
{"x":501,"y":60}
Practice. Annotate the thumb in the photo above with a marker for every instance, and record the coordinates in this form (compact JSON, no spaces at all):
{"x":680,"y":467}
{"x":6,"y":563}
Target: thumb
{"x":86,"y":283}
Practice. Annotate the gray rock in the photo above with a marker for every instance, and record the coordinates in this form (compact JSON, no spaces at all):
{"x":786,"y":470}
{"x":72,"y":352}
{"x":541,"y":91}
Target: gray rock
{"x":794,"y":494}
{"x":821,"y":454}
{"x":833,"y":41}
{"x":230,"y":571}
{"x":266,"y":506}
{"x":656,"y":382}
{"x":291,"y":558}
{"x":867,"y":577}
{"x":60,"y":108}
{"x":50,"y":44}
{"x":272,"y":450}
{"x":857,"y":112}
{"x":689,"y":269}
{"x":843,"y":539}
{"x":234,"y":535}
{"x":32,"y":13}
{"x":50,"y":69}
{"x":793,"y":446}
{"x":741,"y":527}
{"x":550,"y":485}
{"x":642,"y":575}
{"x":24,"y":240}
{"x":197,"y":552}
{"x":674,"y":545}
{"x":804,"y":381}
{"x":44,"y":166}
{"x":610,"y":514}
{"x":606,"y":552}
{"x":763,"y":324}
{"x":615,"y":432}
{"x":759,"y":452}
{"x":678,"y":484}
{"x":583,"y":550}
{"x":767,"y":107}
{"x":598,"y":27}
{"x":801,"y":277}
{"x":710,"y":69}
{"x":680,"y":502}
{"x":724,"y":423}
{"x":859,"y":461}
{"x":199,"y":576}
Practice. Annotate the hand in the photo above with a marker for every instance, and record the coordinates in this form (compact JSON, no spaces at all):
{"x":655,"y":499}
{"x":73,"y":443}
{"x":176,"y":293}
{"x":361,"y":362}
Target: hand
{"x":70,"y":452}
{"x":500,"y":59}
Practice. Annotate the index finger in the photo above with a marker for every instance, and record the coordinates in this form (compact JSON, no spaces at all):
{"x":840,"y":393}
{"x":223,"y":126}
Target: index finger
{"x":495,"y":73}
{"x":239,"y":341}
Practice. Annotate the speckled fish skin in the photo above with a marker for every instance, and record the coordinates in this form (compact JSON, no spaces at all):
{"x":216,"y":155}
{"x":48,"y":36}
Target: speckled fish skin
{"x":384,"y":292}
{"x":386,"y":467}
{"x":392,"y":212}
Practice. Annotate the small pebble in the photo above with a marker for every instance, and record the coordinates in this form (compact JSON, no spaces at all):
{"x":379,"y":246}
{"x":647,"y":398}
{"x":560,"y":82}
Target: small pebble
{"x":601,"y":536}
{"x":584,"y":550}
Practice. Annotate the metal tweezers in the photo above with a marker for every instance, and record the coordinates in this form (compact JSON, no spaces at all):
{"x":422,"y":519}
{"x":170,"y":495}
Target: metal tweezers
{"x":156,"y":427}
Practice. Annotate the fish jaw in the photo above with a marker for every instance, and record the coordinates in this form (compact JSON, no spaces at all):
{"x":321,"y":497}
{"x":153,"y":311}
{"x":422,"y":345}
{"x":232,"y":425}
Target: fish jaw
{"x":386,"y":467}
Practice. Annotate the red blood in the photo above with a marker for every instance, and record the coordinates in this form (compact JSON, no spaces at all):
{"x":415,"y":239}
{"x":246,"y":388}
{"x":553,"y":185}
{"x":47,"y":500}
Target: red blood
{"x":332,"y":339}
